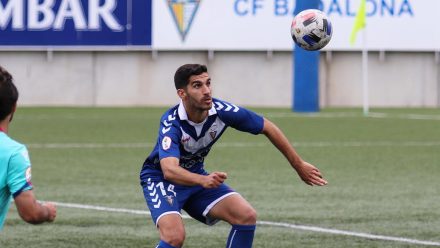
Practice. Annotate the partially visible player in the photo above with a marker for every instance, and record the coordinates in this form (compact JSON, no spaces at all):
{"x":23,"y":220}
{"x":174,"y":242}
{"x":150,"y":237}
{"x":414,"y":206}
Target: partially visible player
{"x":15,"y":166}
{"x":173,"y":175}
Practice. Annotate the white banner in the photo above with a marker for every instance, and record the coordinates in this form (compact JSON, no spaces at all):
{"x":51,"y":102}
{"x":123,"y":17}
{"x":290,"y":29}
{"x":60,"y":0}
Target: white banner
{"x":392,"y":25}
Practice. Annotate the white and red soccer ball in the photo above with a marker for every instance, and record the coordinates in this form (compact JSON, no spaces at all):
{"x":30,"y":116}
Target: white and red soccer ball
{"x":311,"y":29}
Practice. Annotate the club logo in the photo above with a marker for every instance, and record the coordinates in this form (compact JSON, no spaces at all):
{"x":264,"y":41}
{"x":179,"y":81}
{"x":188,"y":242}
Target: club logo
{"x":213,"y":131}
{"x":183,"y":12}
{"x":213,"y":134}
{"x":170,"y":199}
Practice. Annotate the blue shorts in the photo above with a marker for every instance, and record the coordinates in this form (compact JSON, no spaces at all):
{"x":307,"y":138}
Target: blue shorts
{"x":164,"y":197}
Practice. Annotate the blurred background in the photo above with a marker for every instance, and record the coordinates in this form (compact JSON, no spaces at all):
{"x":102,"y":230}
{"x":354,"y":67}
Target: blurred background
{"x":124,"y":53}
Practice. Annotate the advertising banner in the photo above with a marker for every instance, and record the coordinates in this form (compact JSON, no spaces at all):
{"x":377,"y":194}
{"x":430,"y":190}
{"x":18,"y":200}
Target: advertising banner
{"x":75,"y":23}
{"x":392,"y":25}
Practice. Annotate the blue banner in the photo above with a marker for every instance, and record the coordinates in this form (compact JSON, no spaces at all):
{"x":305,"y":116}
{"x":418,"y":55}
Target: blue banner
{"x":75,"y":22}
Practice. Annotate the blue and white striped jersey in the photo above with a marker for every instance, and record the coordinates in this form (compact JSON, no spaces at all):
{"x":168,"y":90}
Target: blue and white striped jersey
{"x":191,"y":142}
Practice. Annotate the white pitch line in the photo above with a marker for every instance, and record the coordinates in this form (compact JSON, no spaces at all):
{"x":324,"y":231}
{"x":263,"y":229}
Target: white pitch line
{"x":406,"y":116}
{"x":353,"y":115}
{"x":349,"y":233}
{"x":237,"y":144}
{"x":266,"y":114}
{"x":88,"y":145}
{"x":267,"y":223}
{"x":105,"y":209}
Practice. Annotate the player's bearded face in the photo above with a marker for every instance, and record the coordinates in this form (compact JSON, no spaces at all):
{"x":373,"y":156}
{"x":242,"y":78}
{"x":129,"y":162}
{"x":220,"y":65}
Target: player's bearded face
{"x":199,"y":94}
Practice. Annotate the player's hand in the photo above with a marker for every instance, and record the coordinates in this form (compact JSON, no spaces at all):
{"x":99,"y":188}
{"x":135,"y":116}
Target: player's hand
{"x":310,"y":174}
{"x":214,"y":179}
{"x":52,"y":209}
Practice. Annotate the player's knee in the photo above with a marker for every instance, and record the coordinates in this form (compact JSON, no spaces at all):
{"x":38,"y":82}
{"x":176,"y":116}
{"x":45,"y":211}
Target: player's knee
{"x":251,"y":217}
{"x":248,"y":217}
{"x":174,"y":237}
{"x":176,"y":241}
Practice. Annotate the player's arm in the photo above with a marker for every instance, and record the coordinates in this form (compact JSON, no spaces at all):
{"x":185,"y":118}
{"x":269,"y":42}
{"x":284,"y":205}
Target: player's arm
{"x":32,"y":211}
{"x":176,"y":174}
{"x":308,"y":173}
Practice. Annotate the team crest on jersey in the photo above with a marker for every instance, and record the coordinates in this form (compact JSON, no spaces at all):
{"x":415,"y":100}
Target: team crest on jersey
{"x":170,"y":199}
{"x":166,"y":143}
{"x":183,"y":12}
{"x":213,"y":134}
{"x":213,"y":131}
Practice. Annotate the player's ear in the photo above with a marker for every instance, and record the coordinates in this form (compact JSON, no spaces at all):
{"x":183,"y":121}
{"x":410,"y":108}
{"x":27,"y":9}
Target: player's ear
{"x":181,"y":93}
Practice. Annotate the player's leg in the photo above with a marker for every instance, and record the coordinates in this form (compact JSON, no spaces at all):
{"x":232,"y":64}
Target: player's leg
{"x":235,"y":210}
{"x":165,"y":202}
{"x":172,"y":231}
{"x":223,"y":203}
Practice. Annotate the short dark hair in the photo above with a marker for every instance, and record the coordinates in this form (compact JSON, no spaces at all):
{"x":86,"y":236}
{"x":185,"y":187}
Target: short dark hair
{"x":183,"y":73}
{"x":8,"y":93}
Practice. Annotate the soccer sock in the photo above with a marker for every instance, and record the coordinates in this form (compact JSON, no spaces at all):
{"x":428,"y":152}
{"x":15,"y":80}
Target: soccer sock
{"x":241,"y":236}
{"x":163,"y":244}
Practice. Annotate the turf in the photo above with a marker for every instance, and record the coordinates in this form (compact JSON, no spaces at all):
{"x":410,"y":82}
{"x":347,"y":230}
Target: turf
{"x":382,"y":170}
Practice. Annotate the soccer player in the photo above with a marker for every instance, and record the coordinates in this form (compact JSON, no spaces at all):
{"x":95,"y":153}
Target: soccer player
{"x":15,"y":166}
{"x":173,"y":177}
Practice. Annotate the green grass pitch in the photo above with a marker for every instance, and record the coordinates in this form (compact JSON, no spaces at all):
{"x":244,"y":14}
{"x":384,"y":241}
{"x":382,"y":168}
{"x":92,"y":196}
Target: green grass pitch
{"x":383,"y":174}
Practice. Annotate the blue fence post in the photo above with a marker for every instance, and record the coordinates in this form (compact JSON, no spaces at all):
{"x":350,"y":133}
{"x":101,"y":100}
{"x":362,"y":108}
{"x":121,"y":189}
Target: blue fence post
{"x":305,"y":70}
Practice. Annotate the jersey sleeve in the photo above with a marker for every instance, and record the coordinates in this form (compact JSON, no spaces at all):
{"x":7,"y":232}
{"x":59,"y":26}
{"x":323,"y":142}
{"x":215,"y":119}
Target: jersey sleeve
{"x":240,"y":118}
{"x":169,"y":137}
{"x":19,"y":172}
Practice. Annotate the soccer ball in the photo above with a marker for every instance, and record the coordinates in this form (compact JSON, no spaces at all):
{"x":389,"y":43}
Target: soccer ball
{"x":311,"y":29}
